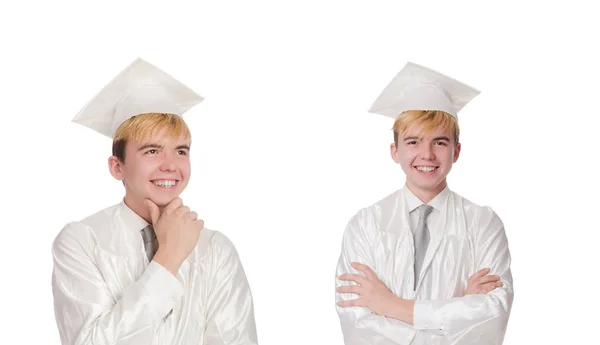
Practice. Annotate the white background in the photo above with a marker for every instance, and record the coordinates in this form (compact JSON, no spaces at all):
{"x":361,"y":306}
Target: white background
{"x":284,"y":151}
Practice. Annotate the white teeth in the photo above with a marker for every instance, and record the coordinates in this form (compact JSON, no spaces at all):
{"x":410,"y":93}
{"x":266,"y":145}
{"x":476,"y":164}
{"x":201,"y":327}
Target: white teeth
{"x":426,"y":169}
{"x":165,"y":183}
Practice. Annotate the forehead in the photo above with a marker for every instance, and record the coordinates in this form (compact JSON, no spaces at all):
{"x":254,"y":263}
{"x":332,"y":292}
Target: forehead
{"x":425,"y":131}
{"x":164,"y":138}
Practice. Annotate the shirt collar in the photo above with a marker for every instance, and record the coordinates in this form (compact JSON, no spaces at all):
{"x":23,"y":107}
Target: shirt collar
{"x":130,"y":219}
{"x":437,"y":203}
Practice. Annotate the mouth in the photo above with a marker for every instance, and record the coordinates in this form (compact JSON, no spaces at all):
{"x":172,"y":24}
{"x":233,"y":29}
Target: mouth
{"x":165,"y":184}
{"x":426,"y":169}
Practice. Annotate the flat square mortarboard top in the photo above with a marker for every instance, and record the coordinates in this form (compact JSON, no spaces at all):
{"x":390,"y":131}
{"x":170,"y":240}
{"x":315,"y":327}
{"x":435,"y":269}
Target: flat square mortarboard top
{"x":419,"y":88}
{"x":140,"y":88}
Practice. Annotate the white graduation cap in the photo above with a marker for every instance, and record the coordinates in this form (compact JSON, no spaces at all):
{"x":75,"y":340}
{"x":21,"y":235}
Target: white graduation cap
{"x":140,"y":88}
{"x":419,"y":88}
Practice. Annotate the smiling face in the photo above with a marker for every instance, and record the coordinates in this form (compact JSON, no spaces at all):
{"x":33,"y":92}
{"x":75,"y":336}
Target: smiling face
{"x":426,"y":146}
{"x":153,"y":162}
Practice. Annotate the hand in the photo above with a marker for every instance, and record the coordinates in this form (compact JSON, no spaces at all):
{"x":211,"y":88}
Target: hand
{"x":177,"y":231}
{"x":481,"y":283}
{"x":372,"y":293}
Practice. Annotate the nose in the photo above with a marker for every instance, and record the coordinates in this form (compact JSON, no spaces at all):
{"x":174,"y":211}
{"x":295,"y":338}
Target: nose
{"x":427,"y":152}
{"x":168,"y":163}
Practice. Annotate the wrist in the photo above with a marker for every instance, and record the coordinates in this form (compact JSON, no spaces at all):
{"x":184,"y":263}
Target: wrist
{"x":403,"y":310}
{"x":169,"y":262}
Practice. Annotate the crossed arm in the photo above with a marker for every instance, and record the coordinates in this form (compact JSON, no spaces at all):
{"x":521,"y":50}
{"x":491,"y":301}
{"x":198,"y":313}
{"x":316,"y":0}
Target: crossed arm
{"x":373,"y":293}
{"x":370,"y":314}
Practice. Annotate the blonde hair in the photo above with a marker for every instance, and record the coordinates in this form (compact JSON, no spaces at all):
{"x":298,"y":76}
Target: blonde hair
{"x":143,"y":127}
{"x":429,"y":119}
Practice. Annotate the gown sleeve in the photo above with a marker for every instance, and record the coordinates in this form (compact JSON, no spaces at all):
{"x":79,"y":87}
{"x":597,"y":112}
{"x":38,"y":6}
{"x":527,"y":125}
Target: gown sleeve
{"x":85,"y":311}
{"x":230,"y":310}
{"x":361,"y":326}
{"x":488,"y":313}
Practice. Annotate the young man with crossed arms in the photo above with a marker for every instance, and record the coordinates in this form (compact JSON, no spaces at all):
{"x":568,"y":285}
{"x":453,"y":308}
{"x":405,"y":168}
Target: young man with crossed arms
{"x":424,"y":265}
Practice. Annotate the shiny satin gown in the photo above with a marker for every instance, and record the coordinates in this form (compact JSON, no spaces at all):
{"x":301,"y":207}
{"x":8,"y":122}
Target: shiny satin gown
{"x":464,"y":239}
{"x":107,"y":293}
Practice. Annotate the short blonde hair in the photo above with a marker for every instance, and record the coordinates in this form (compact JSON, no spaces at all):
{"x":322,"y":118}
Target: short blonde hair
{"x":429,"y":119}
{"x":142,"y":127}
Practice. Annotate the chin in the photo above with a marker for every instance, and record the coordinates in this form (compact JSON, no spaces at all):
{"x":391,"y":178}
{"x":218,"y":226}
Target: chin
{"x":431,"y":185}
{"x":163,"y":200}
{"x":425,"y":184}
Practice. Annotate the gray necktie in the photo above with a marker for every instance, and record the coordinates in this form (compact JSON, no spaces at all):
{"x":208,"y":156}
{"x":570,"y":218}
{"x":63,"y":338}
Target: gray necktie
{"x":421,"y":237}
{"x":148,"y":236}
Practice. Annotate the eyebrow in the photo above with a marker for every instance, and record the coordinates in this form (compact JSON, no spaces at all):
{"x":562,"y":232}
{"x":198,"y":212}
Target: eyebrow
{"x":147,"y":146}
{"x":412,"y":137}
{"x":157,"y":146}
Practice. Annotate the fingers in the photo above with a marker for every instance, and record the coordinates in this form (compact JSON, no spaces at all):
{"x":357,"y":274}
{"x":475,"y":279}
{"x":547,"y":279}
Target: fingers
{"x":364,"y":269}
{"x":481,"y":283}
{"x":182,"y":210}
{"x":154,"y":211}
{"x":185,"y":211}
{"x":174,"y":204}
{"x":485,"y":288}
{"x":360,"y":280}
{"x":351,"y":303}
{"x":479,"y":274}
{"x":199,"y":223}
{"x":350,"y":289}
{"x":488,"y":279}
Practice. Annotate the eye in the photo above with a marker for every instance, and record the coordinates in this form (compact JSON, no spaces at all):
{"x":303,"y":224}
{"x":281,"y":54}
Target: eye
{"x":182,"y":152}
{"x":412,"y":142}
{"x":443,"y":143}
{"x":152,"y":151}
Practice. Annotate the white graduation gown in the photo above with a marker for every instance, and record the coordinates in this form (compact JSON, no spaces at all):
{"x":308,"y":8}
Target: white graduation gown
{"x":469,"y":238}
{"x":107,"y":293}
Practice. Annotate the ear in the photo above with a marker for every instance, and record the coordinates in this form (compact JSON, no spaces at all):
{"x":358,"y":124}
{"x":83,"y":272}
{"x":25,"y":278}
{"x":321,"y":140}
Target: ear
{"x":394,"y":153}
{"x":115,"y":166}
{"x":456,"y":152}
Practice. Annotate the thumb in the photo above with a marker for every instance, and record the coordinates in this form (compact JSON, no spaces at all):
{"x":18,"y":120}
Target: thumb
{"x":154,"y":211}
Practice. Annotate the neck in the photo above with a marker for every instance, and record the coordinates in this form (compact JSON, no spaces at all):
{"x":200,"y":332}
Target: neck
{"x":426,"y":194}
{"x":139,"y":208}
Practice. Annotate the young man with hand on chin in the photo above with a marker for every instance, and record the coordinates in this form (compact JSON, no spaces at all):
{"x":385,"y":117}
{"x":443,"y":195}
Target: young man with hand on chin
{"x":424,"y":265}
{"x":146,"y":270}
